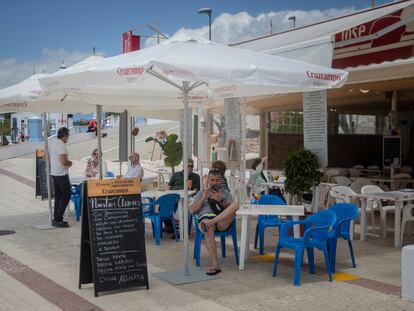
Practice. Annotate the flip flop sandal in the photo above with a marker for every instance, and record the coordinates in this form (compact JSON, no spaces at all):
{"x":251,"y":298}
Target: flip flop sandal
{"x":213,"y":271}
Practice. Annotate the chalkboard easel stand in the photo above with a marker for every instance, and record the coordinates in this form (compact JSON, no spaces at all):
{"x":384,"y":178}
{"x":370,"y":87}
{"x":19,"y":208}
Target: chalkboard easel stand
{"x":112,"y":250}
{"x":45,"y":177}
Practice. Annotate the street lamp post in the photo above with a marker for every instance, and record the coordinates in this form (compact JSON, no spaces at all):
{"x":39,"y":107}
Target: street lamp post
{"x":208,"y":12}
{"x":293,"y":18}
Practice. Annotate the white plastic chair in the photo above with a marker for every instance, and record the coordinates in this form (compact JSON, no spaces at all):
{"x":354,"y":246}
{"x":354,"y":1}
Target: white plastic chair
{"x":363,"y":180}
{"x":320,"y":194}
{"x":407,"y":216}
{"x":343,"y":171}
{"x":323,"y":197}
{"x":330,"y":174}
{"x":377,"y":205}
{"x":401,"y":184}
{"x":402,"y":176}
{"x":342,"y":181}
{"x":356,"y":187}
{"x":343,"y":194}
{"x":354,"y":172}
{"x":406,"y":169}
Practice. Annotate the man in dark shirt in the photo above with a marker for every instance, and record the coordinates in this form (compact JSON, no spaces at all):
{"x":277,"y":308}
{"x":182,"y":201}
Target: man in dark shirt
{"x":177,"y":180}
{"x":177,"y":183}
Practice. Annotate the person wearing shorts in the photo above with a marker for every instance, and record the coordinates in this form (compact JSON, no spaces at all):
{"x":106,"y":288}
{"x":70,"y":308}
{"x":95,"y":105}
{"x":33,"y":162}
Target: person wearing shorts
{"x":216,"y":210}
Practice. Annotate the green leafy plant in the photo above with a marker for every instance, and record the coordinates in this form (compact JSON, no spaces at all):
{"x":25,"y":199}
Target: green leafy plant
{"x":220,"y":122}
{"x":172,"y":150}
{"x":302,"y":172}
{"x":4,"y":130}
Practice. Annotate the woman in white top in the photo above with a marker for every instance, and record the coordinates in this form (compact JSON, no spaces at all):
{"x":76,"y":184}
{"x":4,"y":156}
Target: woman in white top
{"x":92,"y":166}
{"x":258,"y":175}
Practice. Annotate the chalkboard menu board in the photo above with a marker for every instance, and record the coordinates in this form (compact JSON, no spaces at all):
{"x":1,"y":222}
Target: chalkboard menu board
{"x":41,"y":181}
{"x":391,"y":150}
{"x":113,"y":254}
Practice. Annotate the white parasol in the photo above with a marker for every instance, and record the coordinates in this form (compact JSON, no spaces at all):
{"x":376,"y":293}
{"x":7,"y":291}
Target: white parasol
{"x":183,"y":69}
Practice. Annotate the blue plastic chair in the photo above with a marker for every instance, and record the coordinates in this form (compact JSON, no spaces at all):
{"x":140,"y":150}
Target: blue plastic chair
{"x":345,"y":213}
{"x":315,"y":236}
{"x":167,"y":206}
{"x":199,"y":236}
{"x":110,"y":174}
{"x":147,"y":204}
{"x":190,"y":222}
{"x":76,"y":198}
{"x":266,"y":221}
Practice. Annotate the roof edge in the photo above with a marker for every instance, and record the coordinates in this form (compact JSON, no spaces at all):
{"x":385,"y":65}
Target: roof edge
{"x":322,"y":22}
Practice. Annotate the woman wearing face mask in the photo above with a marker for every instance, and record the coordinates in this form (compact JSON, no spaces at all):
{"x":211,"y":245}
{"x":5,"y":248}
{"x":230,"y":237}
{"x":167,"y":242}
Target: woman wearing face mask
{"x":92,"y":166}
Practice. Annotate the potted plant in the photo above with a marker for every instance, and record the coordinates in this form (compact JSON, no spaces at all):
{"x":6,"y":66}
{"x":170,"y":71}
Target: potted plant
{"x":4,"y":131}
{"x":302,"y":173}
{"x":172,"y":150}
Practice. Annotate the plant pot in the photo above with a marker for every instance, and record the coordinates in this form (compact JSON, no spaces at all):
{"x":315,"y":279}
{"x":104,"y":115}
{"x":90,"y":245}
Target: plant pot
{"x":4,"y":141}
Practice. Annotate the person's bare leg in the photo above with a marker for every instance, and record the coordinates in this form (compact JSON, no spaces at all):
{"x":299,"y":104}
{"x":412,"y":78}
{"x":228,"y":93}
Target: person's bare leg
{"x":225,"y":218}
{"x":211,"y":246}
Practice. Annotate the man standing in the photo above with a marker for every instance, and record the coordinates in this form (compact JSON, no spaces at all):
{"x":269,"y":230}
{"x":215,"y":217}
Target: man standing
{"x":216,"y":211}
{"x":135,"y":170}
{"x":177,"y":180}
{"x":59,"y":166}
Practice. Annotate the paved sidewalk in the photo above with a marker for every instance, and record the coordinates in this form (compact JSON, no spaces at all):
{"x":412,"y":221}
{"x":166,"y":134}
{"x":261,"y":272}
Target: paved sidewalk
{"x":36,"y":266}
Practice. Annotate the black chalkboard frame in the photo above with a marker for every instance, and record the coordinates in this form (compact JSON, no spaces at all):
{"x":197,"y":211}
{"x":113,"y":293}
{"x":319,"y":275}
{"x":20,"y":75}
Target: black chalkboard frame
{"x":88,"y":267}
{"x":41,"y":181}
{"x":85,"y":267}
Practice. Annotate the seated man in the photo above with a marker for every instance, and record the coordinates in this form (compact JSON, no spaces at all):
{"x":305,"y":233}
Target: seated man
{"x":216,"y":210}
{"x":135,"y":170}
{"x":177,"y":180}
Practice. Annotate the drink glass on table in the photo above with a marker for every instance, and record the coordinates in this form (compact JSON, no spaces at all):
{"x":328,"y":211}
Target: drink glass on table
{"x":189,"y":184}
{"x":257,"y":196}
{"x":155,"y":183}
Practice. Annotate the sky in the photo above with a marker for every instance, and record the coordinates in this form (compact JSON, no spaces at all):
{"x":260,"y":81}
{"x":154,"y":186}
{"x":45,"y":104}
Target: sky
{"x":36,"y":35}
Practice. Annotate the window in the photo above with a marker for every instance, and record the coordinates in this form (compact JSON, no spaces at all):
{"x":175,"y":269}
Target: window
{"x":286,"y":122}
{"x":359,"y":124}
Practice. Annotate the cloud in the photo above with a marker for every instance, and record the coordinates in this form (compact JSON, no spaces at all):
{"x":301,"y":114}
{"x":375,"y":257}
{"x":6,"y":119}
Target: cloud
{"x":233,"y":28}
{"x":226,"y":28}
{"x":14,"y":70}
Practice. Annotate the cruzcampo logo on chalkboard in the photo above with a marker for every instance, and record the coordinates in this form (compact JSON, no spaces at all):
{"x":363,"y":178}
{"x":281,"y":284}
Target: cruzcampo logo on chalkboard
{"x":109,"y":187}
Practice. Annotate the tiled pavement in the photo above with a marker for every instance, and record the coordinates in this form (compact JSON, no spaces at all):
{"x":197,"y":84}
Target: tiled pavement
{"x":39,"y":271}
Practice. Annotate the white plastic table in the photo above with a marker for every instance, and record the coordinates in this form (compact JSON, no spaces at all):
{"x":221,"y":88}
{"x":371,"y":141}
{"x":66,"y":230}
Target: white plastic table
{"x":248,"y":210}
{"x":155,"y":194}
{"x":393,"y":182}
{"x":399,"y":197}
